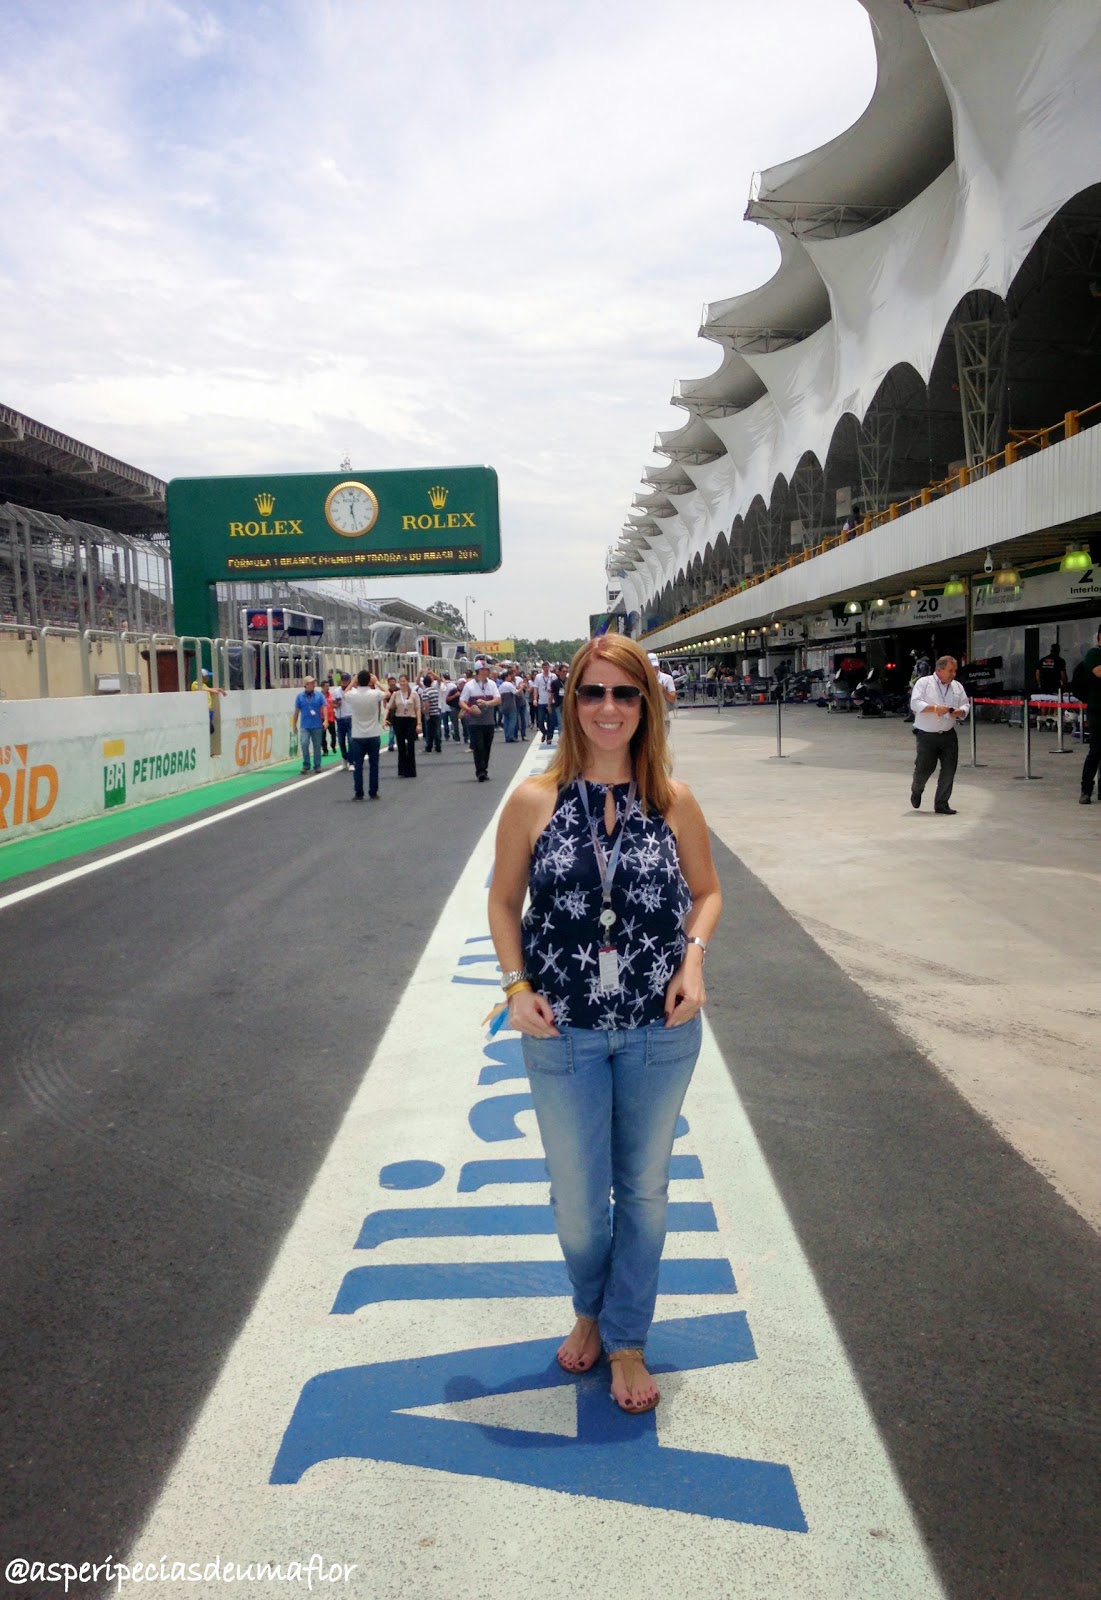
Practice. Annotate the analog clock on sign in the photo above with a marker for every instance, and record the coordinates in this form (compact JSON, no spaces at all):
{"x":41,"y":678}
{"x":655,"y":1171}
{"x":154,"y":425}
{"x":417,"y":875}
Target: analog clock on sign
{"x":351,"y":509}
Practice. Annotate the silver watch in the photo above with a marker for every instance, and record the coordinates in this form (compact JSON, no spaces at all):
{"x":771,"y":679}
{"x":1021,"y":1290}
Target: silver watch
{"x":509,"y":978}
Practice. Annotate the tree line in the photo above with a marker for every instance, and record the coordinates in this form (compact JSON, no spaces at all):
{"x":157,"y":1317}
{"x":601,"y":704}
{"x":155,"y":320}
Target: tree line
{"x":452,"y":621}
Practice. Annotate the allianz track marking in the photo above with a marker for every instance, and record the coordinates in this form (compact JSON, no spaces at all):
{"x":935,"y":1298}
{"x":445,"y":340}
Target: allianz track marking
{"x":73,"y":873}
{"x":392,"y":1399}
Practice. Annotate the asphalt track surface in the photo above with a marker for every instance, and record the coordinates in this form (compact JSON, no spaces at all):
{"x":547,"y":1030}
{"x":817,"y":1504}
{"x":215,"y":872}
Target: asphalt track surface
{"x":184,"y":1031}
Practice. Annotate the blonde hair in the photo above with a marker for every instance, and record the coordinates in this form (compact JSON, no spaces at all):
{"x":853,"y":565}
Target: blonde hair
{"x":650,"y":759}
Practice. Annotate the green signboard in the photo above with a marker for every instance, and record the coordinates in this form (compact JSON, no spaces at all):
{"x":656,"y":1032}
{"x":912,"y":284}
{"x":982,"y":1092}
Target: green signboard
{"x":285,"y":527}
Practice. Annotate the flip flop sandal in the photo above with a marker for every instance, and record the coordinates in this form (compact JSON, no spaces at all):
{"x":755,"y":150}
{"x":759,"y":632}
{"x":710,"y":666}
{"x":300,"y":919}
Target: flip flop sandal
{"x":632,"y":1411}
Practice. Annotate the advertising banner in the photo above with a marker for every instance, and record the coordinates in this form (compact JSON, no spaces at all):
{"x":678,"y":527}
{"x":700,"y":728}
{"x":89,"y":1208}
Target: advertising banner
{"x":63,"y":760}
{"x":1040,"y":589}
{"x":907,"y":613}
{"x":255,"y":731}
{"x":492,"y":647}
{"x":357,"y":524}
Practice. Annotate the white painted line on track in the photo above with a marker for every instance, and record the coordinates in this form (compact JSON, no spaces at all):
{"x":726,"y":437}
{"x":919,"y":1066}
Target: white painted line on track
{"x":73,"y":873}
{"x":432,"y":1442}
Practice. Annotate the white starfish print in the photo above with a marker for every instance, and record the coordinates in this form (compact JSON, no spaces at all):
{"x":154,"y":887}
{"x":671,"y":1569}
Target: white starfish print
{"x":584,"y":957}
{"x":549,"y":959}
{"x":659,"y":977}
{"x":574,"y":902}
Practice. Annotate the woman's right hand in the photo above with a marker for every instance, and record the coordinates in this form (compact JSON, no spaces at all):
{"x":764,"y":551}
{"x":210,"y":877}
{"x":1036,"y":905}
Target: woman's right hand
{"x":529,"y":1012}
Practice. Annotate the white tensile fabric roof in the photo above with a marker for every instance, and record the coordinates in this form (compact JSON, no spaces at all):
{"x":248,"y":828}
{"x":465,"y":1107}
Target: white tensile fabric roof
{"x":984,"y":123}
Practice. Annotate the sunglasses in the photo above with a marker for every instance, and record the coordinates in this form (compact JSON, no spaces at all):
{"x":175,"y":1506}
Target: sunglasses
{"x":627,"y":694}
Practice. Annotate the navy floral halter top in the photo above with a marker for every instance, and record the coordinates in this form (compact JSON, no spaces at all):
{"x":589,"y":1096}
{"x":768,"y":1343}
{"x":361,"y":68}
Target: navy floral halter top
{"x":561,"y":932}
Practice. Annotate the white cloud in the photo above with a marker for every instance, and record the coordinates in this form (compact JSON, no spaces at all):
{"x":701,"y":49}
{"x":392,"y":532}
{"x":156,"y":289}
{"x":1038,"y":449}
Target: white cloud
{"x":252,"y":236}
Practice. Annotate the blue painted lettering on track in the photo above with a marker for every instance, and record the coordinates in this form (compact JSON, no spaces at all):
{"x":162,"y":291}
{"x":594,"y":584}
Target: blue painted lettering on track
{"x":357,"y":1412}
{"x":477,"y":1175}
{"x":487,"y":1222}
{"x":500,"y":1073}
{"x":508,"y":1280}
{"x":410,"y":1175}
{"x":494,"y":1119}
{"x":361,"y":1412}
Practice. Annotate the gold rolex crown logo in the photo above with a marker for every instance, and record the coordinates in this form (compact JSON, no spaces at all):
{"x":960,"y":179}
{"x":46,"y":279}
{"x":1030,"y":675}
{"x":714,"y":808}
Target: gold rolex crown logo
{"x":265,"y":504}
{"x":438,"y":496}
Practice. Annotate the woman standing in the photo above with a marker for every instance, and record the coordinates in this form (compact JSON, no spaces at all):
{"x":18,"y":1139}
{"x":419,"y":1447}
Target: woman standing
{"x":328,"y":732}
{"x":403,"y":713}
{"x":604,"y":981}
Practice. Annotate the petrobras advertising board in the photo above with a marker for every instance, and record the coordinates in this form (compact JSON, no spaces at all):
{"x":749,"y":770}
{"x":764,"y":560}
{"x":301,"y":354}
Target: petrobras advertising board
{"x":64,"y":760}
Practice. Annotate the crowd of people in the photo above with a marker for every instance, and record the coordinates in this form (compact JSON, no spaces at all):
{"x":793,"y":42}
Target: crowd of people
{"x":361,"y":718}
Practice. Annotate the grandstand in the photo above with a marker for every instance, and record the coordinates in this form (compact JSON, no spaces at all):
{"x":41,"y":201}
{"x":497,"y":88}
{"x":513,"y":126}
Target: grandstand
{"x":915,"y":386}
{"x":84,"y":545}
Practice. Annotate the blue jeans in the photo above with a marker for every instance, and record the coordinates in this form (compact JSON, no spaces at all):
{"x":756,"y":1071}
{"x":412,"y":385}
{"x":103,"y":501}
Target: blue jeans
{"x":607,"y":1106}
{"x":360,"y":749}
{"x":344,"y":734}
{"x":509,"y":717}
{"x":551,"y":726}
{"x":310,"y":738}
{"x":522,"y":715}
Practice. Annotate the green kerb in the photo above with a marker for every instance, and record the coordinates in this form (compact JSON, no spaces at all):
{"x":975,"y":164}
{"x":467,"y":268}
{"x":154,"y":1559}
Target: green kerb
{"x":62,"y":844}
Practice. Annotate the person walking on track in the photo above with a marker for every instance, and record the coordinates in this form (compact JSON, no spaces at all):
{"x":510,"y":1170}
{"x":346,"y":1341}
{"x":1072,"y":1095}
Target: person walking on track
{"x":938,"y":702}
{"x":403,"y":713}
{"x":478,"y":703}
{"x":308,"y":721}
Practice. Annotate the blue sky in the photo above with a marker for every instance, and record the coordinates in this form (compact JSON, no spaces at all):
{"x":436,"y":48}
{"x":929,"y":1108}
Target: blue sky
{"x":244,"y":237}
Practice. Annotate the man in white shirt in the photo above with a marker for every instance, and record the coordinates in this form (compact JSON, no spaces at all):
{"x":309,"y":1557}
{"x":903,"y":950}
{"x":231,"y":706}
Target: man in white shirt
{"x":478,"y":702}
{"x":938,"y":703}
{"x":365,"y":702}
{"x":543,"y":681}
{"x":666,"y":685}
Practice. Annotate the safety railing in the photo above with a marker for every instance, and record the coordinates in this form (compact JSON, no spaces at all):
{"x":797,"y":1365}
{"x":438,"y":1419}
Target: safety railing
{"x":233,"y":663}
{"x":1060,"y":703}
{"x":1022,"y":442}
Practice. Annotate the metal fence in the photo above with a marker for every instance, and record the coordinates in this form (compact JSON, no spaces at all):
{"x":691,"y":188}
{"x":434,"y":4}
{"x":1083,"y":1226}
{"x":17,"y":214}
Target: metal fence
{"x":154,"y":663}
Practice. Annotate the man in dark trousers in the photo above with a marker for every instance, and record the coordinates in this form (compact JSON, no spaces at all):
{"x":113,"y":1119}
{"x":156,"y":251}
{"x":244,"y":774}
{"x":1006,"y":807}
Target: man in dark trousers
{"x":1090,"y":672}
{"x":1051,"y":674}
{"x":478,"y":704}
{"x":938,"y":703}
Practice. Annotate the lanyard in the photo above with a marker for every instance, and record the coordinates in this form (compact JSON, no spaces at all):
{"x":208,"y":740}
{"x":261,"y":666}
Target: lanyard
{"x":607,"y":864}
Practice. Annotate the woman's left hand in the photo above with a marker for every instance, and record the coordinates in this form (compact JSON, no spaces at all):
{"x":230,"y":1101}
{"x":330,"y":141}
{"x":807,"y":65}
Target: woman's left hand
{"x":686,"y":993}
